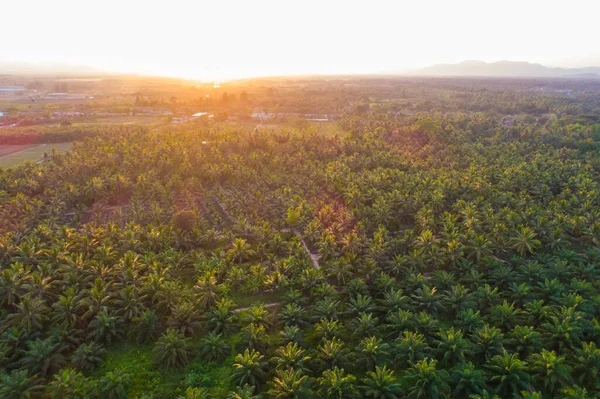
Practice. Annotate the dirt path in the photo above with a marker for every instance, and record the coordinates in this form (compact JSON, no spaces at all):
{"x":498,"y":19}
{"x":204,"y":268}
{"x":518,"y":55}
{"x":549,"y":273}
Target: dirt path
{"x":313,"y":257}
{"x":268,"y":305}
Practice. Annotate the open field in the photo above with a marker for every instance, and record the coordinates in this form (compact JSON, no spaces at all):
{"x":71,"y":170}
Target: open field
{"x":10,"y":157}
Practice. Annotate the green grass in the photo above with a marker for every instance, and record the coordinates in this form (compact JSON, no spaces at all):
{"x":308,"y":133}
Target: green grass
{"x":244,"y":300}
{"x":34,"y":153}
{"x":150,"y":381}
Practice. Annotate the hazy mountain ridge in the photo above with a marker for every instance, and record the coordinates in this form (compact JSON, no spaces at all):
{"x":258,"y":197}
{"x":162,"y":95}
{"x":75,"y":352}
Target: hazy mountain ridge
{"x":44,"y":69}
{"x":505,"y":69}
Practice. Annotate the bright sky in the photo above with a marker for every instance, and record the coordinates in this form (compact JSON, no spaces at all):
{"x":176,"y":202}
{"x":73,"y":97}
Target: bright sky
{"x":227,"y":38}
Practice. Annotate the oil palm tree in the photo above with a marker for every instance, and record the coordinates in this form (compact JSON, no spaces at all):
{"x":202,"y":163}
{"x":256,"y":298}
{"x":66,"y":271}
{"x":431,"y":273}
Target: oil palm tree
{"x":424,"y":380}
{"x":508,"y":375}
{"x":289,"y":384}
{"x":550,"y":371}
{"x":372,"y":351}
{"x":337,"y":384}
{"x":214,"y":347}
{"x":291,"y":356}
{"x":43,"y":357}
{"x":172,"y":349}
{"x":20,"y":385}
{"x":249,"y":368}
{"x":88,"y":356}
{"x":381,"y":384}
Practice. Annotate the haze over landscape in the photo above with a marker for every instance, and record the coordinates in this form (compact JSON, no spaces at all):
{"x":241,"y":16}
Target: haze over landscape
{"x":230,"y":39}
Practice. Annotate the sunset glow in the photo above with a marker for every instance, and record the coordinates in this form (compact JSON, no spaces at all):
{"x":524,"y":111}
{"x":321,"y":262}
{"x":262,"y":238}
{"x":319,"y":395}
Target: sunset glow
{"x":229,"y":39}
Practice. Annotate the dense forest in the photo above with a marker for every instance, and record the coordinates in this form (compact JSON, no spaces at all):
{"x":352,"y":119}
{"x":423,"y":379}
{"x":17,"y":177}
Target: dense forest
{"x":442,"y":241}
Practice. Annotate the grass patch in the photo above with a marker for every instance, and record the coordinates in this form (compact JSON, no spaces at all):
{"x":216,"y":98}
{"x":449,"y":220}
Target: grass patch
{"x":33,"y":153}
{"x":150,"y":381}
{"x":244,"y":300}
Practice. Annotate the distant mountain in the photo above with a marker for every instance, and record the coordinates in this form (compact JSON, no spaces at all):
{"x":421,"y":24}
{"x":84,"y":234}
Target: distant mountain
{"x":44,"y":69}
{"x":505,"y":69}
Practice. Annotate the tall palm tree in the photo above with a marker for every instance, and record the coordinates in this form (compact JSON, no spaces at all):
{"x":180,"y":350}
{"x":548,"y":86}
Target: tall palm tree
{"x":453,"y":347}
{"x":249,"y":368}
{"x":67,"y":384}
{"x":185,"y":318}
{"x":424,"y":380}
{"x":291,"y":356}
{"x":114,"y":385}
{"x":550,"y":371}
{"x":337,"y":384}
{"x":172,"y":349}
{"x":372,"y":350}
{"x":88,"y":356}
{"x":245,"y":392}
{"x":43,"y":357}
{"x":106,"y":328}
{"x":222,"y":319}
{"x":147,"y":326}
{"x":381,"y":384}
{"x":289,"y":384}
{"x":467,"y":380}
{"x":410,"y":348}
{"x":19,"y":385}
{"x":214,"y":347}
{"x":508,"y":375}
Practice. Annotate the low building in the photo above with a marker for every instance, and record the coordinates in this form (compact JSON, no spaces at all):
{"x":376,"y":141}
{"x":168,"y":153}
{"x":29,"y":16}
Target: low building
{"x":12,"y":91}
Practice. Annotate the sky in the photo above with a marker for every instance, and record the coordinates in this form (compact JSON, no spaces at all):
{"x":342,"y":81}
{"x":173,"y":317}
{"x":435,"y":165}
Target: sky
{"x":224,"y":39}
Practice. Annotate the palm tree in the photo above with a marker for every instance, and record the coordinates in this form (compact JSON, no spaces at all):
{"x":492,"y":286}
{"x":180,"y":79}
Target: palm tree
{"x":507,"y":374}
{"x":327,"y":329}
{"x":245,"y":392}
{"x":394,"y":300}
{"x":550,"y":370}
{"x":31,"y":314}
{"x":88,"y":356}
{"x":525,"y":340}
{"x":147,"y":327}
{"x":411,"y":348}
{"x":524,"y":241}
{"x":114,"y":384}
{"x":67,"y":384}
{"x":381,"y":384}
{"x":489,"y":342}
{"x":172,"y":349}
{"x":361,"y":304}
{"x":106,"y":328}
{"x":222,"y":319}
{"x":561,"y":333}
{"x":457,"y":298}
{"x":249,"y":368}
{"x":289,"y":384}
{"x":453,"y":347}
{"x":214,"y":347}
{"x":365,"y":324}
{"x":255,"y":337}
{"x":426,"y":299}
{"x":207,"y":289}
{"x":19,"y":385}
{"x":587,"y":364}
{"x":336,"y":384}
{"x":424,"y":380}
{"x":332,"y":353}
{"x":240,"y":250}
{"x":467,"y":381}
{"x":371,"y":350}
{"x":504,"y":316}
{"x":259,"y":315}
{"x":293,"y":315}
{"x":43,"y":357}
{"x":291,"y":356}
{"x":185,"y":318}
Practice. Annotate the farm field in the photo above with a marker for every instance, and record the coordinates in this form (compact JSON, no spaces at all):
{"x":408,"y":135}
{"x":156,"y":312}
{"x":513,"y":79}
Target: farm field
{"x":11,"y":156}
